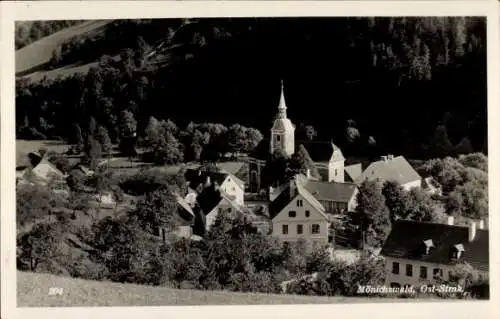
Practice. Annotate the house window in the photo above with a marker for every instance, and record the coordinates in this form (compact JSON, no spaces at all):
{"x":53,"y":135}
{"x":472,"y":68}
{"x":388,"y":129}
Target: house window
{"x":423,"y":272}
{"x":409,"y":270}
{"x":437,"y":273}
{"x":299,"y":203}
{"x":292,"y":213}
{"x":314,"y":229}
{"x":300,"y":229}
{"x":254,"y":176}
{"x":278,"y":138}
{"x":335,"y":172}
{"x":284,"y":229}
{"x":308,"y":213}
{"x":395,"y":268}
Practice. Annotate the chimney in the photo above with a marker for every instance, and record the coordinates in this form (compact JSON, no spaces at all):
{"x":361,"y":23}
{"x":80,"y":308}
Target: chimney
{"x":472,"y":231}
{"x":390,"y":156}
{"x":450,"y":220}
{"x":481,"y":224}
{"x":207,"y":181}
{"x":384,"y":158}
{"x":308,"y":173}
{"x":292,"y":187}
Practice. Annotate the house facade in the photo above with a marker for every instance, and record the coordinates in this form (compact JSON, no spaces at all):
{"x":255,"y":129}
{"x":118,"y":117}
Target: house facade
{"x":425,"y":253}
{"x":297,"y":215}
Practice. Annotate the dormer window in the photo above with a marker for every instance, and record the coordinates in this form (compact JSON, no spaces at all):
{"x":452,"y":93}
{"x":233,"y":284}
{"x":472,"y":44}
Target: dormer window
{"x":457,"y":251}
{"x":428,"y":245}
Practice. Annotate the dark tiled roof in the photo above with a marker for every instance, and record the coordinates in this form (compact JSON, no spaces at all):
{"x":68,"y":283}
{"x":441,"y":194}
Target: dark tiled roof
{"x":277,"y":205}
{"x":321,"y":151}
{"x":330,"y":191}
{"x":407,"y":237}
{"x":395,"y":169}
{"x":208,"y":199}
{"x":196,"y":177}
{"x":286,"y":196}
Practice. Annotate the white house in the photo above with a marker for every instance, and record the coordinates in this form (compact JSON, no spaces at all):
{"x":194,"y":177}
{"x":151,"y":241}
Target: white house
{"x":297,"y":215}
{"x":419,"y":253}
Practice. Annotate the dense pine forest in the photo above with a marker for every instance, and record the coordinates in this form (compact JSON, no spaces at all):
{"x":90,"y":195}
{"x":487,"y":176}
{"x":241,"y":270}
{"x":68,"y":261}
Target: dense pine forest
{"x":406,"y":85}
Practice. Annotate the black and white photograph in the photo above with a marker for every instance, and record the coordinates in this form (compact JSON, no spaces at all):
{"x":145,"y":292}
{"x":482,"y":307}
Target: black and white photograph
{"x":267,"y":160}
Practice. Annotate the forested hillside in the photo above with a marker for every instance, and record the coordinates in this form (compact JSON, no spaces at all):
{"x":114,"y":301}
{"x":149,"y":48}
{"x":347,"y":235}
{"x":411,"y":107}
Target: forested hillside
{"x":404,"y":85}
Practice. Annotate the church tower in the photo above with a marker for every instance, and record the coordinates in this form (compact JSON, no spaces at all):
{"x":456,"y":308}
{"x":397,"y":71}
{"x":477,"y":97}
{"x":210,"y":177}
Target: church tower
{"x":283,"y":131}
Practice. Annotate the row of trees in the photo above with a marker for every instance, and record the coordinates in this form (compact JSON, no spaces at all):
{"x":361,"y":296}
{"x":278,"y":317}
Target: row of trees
{"x":206,"y":142}
{"x":30,"y":31}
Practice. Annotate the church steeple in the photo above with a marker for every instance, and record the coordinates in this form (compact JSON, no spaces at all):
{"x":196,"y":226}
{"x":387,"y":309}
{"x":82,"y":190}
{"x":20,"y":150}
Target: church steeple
{"x":283,"y":131}
{"x":282,"y":104}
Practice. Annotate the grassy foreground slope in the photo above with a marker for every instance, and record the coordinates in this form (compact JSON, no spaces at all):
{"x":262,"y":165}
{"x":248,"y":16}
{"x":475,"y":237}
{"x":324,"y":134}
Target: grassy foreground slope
{"x":32,"y":291}
{"x":31,"y":60}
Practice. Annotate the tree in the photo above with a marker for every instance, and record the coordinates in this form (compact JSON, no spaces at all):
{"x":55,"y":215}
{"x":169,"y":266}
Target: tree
{"x":396,"y":200}
{"x":302,"y":163}
{"x":129,"y":255}
{"x":33,"y":202}
{"x":158,"y":209}
{"x":237,"y":138}
{"x":168,"y":151}
{"x":475,"y":160}
{"x":152,"y":132}
{"x":127,"y":127}
{"x":254,"y":137}
{"x":94,"y":153}
{"x":78,"y":201}
{"x":421,"y":207}
{"x":128,"y":124}
{"x":440,"y":143}
{"x":56,"y":57}
{"x":102,"y":137}
{"x":277,"y":170}
{"x":306,"y":132}
{"x":371,"y":206}
{"x":464,"y":146}
{"x":40,"y":245}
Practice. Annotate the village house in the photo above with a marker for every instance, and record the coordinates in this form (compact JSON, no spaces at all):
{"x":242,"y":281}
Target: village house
{"x":225,"y":181}
{"x":185,"y":218}
{"x":419,"y":253}
{"x":336,"y":198}
{"x":42,"y":172}
{"x":297,"y":215}
{"x":390,"y":168}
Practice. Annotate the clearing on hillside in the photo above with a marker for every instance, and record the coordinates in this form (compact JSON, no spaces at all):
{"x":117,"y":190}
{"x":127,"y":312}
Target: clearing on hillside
{"x":31,"y":60}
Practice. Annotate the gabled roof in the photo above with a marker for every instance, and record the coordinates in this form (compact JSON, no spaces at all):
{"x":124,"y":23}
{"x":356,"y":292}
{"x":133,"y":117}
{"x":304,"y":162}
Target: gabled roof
{"x":353,"y":171}
{"x":286,"y":196}
{"x":396,"y":169}
{"x":185,"y":205}
{"x":197,"y":177}
{"x":407,"y":237}
{"x":331,"y":191}
{"x":44,"y":169}
{"x":231,"y":167}
{"x":322,"y":151}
